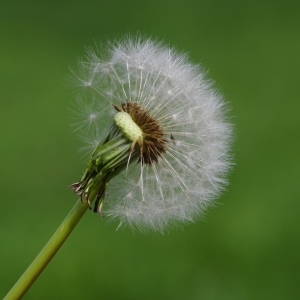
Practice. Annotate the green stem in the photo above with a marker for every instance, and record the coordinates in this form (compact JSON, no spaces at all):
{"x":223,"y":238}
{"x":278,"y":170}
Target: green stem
{"x":43,"y":258}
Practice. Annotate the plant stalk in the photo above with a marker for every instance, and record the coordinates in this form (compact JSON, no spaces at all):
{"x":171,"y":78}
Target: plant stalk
{"x":47,"y":253}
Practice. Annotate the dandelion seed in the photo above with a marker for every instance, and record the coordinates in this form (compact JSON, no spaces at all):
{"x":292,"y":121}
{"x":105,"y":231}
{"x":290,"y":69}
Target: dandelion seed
{"x":166,"y":154}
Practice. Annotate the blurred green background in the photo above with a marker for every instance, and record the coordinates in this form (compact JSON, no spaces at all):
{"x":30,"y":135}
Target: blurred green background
{"x":248,"y":247}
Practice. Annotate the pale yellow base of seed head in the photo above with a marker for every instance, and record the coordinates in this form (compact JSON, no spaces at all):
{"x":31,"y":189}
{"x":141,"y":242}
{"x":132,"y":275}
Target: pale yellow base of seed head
{"x":127,"y":126}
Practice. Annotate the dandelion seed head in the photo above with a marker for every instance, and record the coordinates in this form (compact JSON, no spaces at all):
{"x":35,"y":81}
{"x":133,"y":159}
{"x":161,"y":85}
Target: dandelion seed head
{"x":182,"y":157}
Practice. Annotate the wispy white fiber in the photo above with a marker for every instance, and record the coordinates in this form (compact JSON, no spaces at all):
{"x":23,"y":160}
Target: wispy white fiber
{"x":192,"y":172}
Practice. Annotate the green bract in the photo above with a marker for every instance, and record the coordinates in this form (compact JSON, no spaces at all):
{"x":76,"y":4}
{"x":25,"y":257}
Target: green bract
{"x":109,"y":158}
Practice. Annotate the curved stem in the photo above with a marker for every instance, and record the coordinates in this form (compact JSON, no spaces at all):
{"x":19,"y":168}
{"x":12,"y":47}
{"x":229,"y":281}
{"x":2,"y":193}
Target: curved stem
{"x":43,"y":258}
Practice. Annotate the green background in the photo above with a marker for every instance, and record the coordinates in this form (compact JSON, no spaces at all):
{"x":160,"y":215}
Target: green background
{"x":247,"y":247}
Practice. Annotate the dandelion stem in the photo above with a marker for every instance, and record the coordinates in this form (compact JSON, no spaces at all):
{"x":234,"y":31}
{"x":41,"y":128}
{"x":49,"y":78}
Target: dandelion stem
{"x":47,"y":253}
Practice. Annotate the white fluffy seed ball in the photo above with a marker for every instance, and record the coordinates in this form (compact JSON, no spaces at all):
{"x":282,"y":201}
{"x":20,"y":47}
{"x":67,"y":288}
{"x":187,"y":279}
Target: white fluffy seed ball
{"x":193,"y":170}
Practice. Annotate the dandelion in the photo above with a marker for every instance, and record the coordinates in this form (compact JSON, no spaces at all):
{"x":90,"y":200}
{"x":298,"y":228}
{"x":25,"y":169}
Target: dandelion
{"x":167,"y":144}
{"x":158,"y":137}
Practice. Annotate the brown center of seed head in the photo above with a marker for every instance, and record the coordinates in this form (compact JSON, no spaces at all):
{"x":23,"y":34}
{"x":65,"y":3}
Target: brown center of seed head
{"x":154,"y":141}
